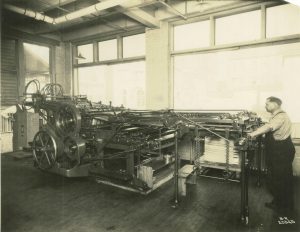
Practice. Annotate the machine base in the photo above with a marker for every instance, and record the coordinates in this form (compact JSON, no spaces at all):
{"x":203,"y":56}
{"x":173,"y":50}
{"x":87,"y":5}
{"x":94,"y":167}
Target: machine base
{"x":160,"y":179}
{"x":77,"y":171}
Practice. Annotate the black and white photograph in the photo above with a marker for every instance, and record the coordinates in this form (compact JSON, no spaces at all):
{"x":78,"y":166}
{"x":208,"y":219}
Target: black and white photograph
{"x":150,"y":115}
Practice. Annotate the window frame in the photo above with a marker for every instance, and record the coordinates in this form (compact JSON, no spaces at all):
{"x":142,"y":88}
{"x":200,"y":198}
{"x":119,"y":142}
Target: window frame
{"x":21,"y":70}
{"x":214,"y":14}
{"x":95,"y":42}
{"x":223,"y":13}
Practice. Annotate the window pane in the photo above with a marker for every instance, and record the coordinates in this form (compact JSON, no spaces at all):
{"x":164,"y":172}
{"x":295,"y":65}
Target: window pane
{"x":240,"y":79}
{"x":193,"y":35}
{"x":283,"y":20}
{"x":108,"y":50}
{"x":36,"y":57}
{"x":122,"y":84}
{"x":134,"y":45}
{"x":129,"y":85}
{"x":36,"y":64}
{"x":86,"y":52}
{"x":93,"y":82}
{"x":238,"y":28}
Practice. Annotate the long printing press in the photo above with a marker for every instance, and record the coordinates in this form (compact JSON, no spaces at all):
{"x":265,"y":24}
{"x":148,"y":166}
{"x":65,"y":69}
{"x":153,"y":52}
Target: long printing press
{"x":139,"y":150}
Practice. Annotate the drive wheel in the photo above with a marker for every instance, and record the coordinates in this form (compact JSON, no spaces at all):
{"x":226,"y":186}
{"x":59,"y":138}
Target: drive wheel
{"x":44,"y":150}
{"x":67,"y":120}
{"x":74,"y":148}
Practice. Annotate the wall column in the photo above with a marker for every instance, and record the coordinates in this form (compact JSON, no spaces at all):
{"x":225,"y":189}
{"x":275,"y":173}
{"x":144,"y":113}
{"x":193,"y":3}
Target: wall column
{"x":63,"y":66}
{"x":157,"y":67}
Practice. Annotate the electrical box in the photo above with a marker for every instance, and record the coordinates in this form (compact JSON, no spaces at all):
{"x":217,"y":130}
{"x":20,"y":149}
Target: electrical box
{"x":25,"y":126}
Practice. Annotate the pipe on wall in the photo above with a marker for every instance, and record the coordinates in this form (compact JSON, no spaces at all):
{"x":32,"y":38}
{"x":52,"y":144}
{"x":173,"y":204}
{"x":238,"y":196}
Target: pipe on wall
{"x":29,"y":13}
{"x":68,"y":17}
{"x":88,"y":10}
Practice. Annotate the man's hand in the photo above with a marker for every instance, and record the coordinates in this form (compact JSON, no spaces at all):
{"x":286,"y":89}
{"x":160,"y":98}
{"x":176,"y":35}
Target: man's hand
{"x":251,"y":135}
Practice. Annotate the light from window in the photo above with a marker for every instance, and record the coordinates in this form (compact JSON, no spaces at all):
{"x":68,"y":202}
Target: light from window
{"x":134,"y":45}
{"x":93,"y":82}
{"x":238,"y":28}
{"x":129,"y":84}
{"x":283,"y":20}
{"x":122,"y":84}
{"x":240,"y":79}
{"x":108,"y":50}
{"x":192,"y":35}
{"x":36,"y":64}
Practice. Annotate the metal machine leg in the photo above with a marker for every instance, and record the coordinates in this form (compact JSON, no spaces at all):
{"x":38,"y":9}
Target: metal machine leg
{"x":244,"y":189}
{"x":259,"y":150}
{"x":176,"y":173}
{"x":130,"y":163}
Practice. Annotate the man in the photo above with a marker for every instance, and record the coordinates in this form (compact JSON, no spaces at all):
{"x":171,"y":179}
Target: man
{"x":280,"y":152}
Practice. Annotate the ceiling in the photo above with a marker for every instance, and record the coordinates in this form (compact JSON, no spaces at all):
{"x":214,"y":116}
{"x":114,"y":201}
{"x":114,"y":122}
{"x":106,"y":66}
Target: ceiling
{"x":74,"y":19}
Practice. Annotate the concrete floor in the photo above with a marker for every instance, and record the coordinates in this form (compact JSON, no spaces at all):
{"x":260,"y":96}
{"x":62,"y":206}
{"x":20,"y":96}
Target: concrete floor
{"x":38,"y":201}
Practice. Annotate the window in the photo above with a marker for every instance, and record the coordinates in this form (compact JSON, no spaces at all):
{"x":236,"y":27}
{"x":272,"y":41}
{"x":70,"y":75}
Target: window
{"x":283,"y":20}
{"x":37,"y":64}
{"x":193,"y":35}
{"x":240,"y":79}
{"x":93,"y":82}
{"x":122,"y":84}
{"x":85,"y":53}
{"x":108,"y":50}
{"x":129,"y":84}
{"x":134,"y":46}
{"x":238,"y":28}
{"x":9,"y":75}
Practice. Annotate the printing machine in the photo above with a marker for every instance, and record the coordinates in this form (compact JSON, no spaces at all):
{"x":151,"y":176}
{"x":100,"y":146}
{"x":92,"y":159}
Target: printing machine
{"x":215,"y":134}
{"x":135,"y":149}
{"x":125,"y":148}
{"x":220,"y":142}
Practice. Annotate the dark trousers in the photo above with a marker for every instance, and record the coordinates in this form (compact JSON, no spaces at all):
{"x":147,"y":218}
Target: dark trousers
{"x":281,"y":155}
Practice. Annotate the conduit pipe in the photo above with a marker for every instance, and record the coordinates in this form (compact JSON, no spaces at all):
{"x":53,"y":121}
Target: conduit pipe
{"x":89,"y":10}
{"x":29,"y":13}
{"x":68,"y":17}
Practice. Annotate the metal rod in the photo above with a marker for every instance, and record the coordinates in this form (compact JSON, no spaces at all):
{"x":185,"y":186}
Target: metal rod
{"x":259,"y":150}
{"x":243,"y":186}
{"x":207,"y":110}
{"x":246,"y":188}
{"x":176,"y":172}
{"x":197,"y":124}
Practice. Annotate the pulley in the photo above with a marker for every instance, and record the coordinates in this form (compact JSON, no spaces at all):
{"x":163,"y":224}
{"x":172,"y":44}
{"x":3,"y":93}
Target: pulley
{"x":46,"y":148}
{"x":53,"y":90}
{"x":74,"y":148}
{"x":67,"y":120}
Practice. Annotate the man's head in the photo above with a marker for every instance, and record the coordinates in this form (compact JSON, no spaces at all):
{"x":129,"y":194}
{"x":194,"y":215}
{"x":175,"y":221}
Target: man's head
{"x":273,"y":104}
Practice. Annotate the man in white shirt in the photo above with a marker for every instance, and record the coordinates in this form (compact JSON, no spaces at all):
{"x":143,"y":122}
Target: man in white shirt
{"x":280,"y":153}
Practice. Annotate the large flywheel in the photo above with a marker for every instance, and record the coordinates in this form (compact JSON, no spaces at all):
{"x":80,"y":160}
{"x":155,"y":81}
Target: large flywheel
{"x":45,"y":149}
{"x":67,"y":120}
